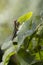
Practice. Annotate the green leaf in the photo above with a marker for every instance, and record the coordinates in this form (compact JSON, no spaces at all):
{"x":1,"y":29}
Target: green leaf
{"x":1,"y":63}
{"x":8,"y":53}
{"x":25,"y":17}
{"x":38,"y":63}
{"x":26,"y":29}
{"x":40,"y":31}
{"x":6,"y":45}
{"x":37,"y":56}
{"x":26,"y":57}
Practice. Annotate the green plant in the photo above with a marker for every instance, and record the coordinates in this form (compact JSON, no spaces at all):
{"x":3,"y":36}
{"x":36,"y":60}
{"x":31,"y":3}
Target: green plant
{"x":26,"y":47}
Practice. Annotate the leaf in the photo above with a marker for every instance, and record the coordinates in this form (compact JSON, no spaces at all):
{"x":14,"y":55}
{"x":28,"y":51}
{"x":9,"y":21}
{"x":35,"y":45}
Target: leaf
{"x":38,"y":63}
{"x":8,"y":53}
{"x":25,"y":30}
{"x":1,"y":63}
{"x":25,"y":17}
{"x":26,"y":57}
{"x":40,"y":31}
{"x":6,"y":45}
{"x":37,"y":57}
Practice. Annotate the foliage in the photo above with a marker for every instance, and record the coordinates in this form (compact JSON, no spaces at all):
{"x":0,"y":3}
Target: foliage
{"x":27,"y":46}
